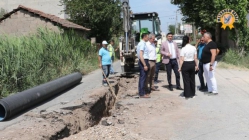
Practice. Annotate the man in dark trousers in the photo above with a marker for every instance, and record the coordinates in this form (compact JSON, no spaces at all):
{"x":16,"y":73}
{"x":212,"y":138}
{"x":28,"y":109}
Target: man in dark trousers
{"x":200,"y":46}
{"x":171,"y":56}
{"x":143,"y":56}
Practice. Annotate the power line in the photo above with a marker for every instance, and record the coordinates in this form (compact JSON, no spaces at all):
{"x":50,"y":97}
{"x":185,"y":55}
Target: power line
{"x":166,"y":16}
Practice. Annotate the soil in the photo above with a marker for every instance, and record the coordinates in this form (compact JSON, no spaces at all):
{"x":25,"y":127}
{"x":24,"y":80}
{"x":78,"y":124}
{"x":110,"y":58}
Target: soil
{"x":98,"y":118}
{"x":58,"y":124}
{"x":129,"y":120}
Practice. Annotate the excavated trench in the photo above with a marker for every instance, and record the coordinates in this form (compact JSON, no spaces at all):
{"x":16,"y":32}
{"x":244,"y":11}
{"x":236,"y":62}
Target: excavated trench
{"x":74,"y":117}
{"x":79,"y":118}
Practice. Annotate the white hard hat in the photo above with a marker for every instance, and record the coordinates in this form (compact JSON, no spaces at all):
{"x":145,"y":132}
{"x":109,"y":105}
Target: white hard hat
{"x":104,"y":42}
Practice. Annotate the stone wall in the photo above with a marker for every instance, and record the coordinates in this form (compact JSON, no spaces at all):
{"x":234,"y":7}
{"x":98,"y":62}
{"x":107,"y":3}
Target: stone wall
{"x":24,"y":23}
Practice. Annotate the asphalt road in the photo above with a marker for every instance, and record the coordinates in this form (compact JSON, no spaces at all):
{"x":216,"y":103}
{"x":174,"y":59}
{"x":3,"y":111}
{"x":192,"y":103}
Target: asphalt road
{"x":221,"y":117}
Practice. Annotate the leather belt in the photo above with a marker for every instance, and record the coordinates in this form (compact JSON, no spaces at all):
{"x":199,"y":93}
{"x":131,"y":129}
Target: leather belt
{"x":153,"y":60}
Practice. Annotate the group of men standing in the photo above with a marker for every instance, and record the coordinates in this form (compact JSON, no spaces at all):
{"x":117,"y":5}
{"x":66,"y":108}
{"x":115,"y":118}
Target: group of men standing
{"x":147,"y":53}
{"x":149,"y":62}
{"x":151,"y":55}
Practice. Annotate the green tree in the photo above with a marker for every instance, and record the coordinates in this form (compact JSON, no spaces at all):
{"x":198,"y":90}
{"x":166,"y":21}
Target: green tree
{"x":171,"y":29}
{"x":204,"y":13}
{"x":101,"y":16}
{"x":2,"y":12}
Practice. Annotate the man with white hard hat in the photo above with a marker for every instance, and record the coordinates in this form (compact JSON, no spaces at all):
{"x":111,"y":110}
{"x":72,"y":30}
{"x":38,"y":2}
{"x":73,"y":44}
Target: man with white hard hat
{"x":104,"y":61}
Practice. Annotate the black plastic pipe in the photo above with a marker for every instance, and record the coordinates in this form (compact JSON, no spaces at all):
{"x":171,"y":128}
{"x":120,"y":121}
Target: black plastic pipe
{"x":18,"y":102}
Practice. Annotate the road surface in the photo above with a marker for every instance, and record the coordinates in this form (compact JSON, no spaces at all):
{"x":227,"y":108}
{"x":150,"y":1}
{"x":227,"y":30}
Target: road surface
{"x":89,"y":82}
{"x":168,"y":116}
{"x":221,"y":117}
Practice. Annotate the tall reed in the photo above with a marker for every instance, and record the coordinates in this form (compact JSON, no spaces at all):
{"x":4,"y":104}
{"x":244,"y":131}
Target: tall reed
{"x":28,"y":61}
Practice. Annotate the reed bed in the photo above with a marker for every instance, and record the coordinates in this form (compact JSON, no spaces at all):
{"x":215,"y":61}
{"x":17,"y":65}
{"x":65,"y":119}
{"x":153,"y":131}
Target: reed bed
{"x":28,"y":61}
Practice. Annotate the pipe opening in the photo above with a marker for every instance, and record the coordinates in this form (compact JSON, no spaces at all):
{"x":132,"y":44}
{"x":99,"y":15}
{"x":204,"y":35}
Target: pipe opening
{"x":2,"y":112}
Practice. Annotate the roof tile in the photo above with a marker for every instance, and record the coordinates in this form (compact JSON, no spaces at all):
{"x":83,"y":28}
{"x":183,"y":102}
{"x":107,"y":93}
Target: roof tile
{"x":63,"y":22}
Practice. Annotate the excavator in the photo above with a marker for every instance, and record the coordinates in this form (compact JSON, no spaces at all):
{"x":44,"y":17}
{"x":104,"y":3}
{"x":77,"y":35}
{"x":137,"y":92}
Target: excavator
{"x":134,"y":24}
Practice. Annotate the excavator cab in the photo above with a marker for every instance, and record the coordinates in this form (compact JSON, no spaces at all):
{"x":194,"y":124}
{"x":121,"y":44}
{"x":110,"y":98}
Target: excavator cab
{"x":149,"y":21}
{"x":133,"y":26}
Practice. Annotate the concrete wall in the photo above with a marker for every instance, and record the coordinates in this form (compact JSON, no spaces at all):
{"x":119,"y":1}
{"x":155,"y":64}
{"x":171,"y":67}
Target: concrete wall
{"x":24,"y":23}
{"x":46,"y":6}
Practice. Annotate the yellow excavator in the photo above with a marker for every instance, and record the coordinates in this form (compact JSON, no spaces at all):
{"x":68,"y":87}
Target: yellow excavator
{"x":134,"y":24}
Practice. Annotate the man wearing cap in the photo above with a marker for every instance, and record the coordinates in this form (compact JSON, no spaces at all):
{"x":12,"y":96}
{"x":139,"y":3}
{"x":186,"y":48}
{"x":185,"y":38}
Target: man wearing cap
{"x":143,"y":56}
{"x":158,"y":60}
{"x":152,"y":62}
{"x":104,"y":61}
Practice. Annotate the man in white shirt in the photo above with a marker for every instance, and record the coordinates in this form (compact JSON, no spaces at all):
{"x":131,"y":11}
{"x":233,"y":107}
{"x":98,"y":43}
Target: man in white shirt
{"x":143,"y":56}
{"x":171,"y":56}
{"x":152,"y":62}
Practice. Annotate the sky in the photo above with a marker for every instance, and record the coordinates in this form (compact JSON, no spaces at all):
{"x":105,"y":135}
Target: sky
{"x":166,"y":11}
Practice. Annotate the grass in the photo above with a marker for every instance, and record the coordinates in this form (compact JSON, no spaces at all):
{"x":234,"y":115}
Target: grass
{"x":29,"y":61}
{"x":234,"y":60}
{"x":225,"y":65}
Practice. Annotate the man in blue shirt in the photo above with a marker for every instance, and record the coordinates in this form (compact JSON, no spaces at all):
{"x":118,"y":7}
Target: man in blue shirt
{"x":104,"y":61}
{"x":143,"y":56}
{"x":200,"y":47}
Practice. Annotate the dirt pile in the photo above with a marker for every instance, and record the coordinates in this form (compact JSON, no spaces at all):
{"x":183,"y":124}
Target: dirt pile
{"x":97,"y":117}
{"x":128,"y":86}
{"x":101,"y":132}
{"x":65,"y":121}
{"x":112,"y":127}
{"x":128,"y":118}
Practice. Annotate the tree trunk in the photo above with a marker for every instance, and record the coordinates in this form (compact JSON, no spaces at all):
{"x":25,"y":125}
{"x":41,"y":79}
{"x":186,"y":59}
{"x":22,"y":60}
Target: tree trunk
{"x":217,"y":33}
{"x":237,"y":36}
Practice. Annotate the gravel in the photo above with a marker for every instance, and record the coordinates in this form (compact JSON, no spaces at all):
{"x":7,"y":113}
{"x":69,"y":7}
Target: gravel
{"x":101,"y":132}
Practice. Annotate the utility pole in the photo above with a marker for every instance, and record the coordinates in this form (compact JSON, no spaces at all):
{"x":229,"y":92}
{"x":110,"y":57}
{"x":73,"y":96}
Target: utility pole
{"x":181,"y":27}
{"x":194,"y":29}
{"x":176,"y":21}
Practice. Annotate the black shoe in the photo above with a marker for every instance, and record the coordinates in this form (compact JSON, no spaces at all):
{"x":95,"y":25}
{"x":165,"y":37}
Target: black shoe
{"x":170,"y":88}
{"x":155,"y":82}
{"x":203,"y":89}
{"x":179,"y":88}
